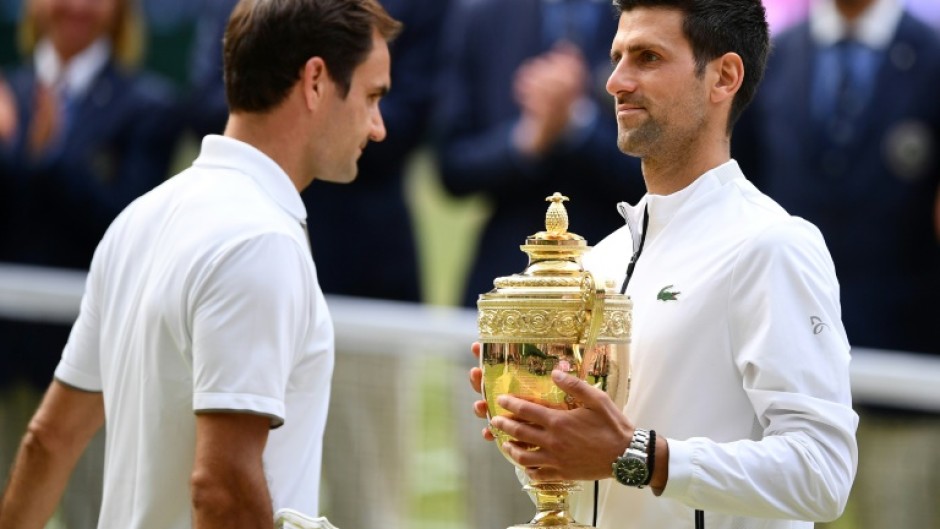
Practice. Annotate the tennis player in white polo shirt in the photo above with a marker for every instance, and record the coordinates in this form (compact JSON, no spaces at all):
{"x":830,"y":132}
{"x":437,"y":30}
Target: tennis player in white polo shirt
{"x":204,"y":343}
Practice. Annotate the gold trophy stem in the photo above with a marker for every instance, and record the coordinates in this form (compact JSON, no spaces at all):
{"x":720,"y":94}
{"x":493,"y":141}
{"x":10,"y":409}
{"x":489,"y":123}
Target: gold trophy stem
{"x":551,"y":506}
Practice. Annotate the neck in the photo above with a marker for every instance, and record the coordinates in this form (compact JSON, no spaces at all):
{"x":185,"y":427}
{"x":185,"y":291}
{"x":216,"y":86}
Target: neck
{"x":67,"y":52}
{"x":275,"y":136}
{"x":851,"y":10}
{"x":65,"y":55}
{"x":665,"y":175}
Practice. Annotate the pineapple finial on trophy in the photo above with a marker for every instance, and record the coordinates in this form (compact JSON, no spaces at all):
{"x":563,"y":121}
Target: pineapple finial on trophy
{"x":556,"y":218}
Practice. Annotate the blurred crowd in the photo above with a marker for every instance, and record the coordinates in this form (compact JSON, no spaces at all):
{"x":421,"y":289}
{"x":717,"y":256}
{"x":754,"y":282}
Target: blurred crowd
{"x":96,"y":97}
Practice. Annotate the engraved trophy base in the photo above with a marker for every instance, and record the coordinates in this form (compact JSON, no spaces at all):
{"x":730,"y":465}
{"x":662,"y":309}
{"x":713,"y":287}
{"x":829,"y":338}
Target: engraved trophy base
{"x":551,"y":502}
{"x":553,"y":524}
{"x":572,"y":525}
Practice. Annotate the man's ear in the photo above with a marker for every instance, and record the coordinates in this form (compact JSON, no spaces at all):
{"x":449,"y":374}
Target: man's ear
{"x":730,"y":70}
{"x":314,"y":80}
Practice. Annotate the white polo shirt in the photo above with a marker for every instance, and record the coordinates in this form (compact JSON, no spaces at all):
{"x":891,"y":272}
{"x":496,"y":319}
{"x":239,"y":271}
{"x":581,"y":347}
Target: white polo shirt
{"x":203,"y":296}
{"x":738,"y":357}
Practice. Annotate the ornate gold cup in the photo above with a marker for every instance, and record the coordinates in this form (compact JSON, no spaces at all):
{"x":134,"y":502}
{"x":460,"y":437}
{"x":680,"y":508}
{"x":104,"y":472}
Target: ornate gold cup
{"x":552,"y":315}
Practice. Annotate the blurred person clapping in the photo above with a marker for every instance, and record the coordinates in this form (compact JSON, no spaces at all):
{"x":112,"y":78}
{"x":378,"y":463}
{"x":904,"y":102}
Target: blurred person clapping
{"x":550,"y":89}
{"x":81,"y":133}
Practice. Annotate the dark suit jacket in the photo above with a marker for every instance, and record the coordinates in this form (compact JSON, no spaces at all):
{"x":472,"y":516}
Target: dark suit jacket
{"x":56,"y":208}
{"x":487,"y":41}
{"x":873,"y":198}
{"x":119,"y":146}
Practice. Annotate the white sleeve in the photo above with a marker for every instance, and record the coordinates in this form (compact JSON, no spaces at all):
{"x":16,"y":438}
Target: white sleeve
{"x":80,"y":365}
{"x":251,"y":313}
{"x":790,"y":348}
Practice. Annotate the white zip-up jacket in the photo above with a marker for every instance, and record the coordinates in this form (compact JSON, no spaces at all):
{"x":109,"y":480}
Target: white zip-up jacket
{"x":738,"y":358}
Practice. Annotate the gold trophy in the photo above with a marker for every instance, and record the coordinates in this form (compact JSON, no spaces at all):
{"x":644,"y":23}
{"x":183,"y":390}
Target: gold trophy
{"x":552,"y":316}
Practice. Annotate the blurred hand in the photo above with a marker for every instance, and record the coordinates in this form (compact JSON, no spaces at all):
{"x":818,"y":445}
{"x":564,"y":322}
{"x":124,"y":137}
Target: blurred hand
{"x":547,"y":87}
{"x":577,"y":444}
{"x":9,"y":120}
{"x":46,"y":122}
{"x":476,"y":380}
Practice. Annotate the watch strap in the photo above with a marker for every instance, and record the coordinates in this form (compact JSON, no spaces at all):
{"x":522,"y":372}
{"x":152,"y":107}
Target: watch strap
{"x":650,"y":457}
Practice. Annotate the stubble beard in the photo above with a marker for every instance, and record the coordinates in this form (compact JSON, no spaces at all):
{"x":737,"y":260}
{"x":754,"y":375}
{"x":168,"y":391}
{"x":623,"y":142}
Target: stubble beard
{"x":655,"y":139}
{"x":639,"y":141}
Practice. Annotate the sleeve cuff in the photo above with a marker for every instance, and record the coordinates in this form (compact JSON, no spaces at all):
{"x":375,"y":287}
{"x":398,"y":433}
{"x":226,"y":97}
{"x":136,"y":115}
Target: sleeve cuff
{"x":680,"y":469}
{"x":77,"y":379}
{"x":239,"y":402}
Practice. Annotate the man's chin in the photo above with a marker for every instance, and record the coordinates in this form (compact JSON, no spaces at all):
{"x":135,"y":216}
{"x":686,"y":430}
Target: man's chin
{"x":635,"y":142}
{"x":344,"y":178}
{"x":630,"y":148}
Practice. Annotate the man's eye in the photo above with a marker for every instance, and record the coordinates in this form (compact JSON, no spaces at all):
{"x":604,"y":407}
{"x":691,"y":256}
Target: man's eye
{"x":649,"y":56}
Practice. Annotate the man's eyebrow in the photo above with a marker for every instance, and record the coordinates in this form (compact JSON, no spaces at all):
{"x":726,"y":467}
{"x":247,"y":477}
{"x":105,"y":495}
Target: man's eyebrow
{"x":616,"y":55}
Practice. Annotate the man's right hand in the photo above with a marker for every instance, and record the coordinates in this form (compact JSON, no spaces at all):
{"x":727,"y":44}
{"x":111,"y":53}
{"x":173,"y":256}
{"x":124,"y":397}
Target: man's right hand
{"x":547,"y":88}
{"x":46,"y":123}
{"x":476,"y":381}
{"x":9,"y":120}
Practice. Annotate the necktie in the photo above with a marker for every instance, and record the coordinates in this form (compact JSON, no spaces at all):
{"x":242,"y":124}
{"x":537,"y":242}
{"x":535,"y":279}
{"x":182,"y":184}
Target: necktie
{"x":845,"y":75}
{"x":67,"y":106}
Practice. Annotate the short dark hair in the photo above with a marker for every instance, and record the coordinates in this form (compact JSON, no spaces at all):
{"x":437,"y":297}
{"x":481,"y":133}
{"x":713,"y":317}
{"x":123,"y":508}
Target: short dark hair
{"x":716,"y":27}
{"x":267,"y":43}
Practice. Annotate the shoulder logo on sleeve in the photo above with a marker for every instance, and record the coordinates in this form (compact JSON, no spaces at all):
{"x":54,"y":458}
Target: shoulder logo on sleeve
{"x":818,"y":325}
{"x":667,"y":294}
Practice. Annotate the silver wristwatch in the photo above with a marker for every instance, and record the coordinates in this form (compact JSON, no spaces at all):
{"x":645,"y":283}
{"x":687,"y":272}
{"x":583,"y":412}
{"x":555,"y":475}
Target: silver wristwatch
{"x":631,"y":468}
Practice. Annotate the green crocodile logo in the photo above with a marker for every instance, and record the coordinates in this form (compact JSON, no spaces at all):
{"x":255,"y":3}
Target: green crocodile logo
{"x":666,"y":295}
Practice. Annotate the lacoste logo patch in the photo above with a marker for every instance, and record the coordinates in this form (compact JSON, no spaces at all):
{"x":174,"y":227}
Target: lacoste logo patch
{"x":818,"y":325}
{"x":668,"y":295}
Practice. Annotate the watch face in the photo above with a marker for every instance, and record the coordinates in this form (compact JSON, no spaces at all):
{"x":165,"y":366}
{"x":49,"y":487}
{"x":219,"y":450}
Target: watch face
{"x":630,"y":471}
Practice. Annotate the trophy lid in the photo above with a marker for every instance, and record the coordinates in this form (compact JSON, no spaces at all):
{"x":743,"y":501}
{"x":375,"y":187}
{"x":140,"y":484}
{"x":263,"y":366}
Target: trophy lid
{"x":554,"y":296}
{"x":554,"y":254}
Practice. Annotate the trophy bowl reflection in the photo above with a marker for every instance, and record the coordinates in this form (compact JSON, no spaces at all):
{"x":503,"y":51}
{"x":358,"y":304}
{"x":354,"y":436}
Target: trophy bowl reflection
{"x":552,"y":316}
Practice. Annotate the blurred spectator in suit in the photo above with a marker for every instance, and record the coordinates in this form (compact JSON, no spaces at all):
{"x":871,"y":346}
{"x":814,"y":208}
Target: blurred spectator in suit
{"x":845,"y":131}
{"x":523,"y":113}
{"x":88,"y":135}
{"x":81,"y":136}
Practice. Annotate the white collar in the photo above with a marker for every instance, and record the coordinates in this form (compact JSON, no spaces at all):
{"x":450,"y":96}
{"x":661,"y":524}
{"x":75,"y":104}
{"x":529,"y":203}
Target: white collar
{"x":874,"y":28}
{"x":229,"y":153}
{"x":74,"y":77}
{"x":663,"y":207}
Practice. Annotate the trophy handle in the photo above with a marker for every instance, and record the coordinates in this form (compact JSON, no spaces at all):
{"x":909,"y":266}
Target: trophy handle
{"x":591,"y":317}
